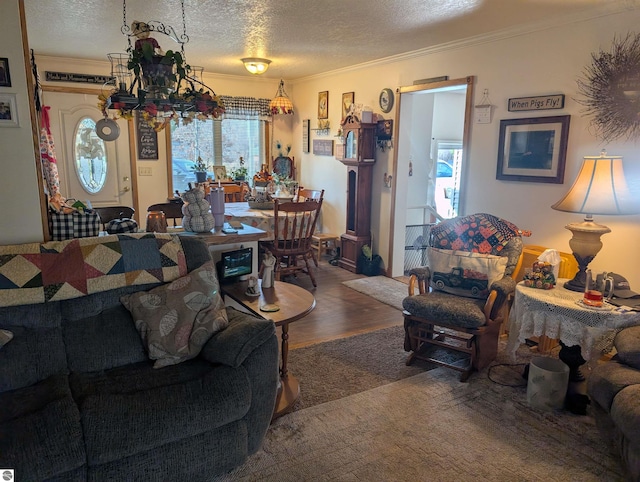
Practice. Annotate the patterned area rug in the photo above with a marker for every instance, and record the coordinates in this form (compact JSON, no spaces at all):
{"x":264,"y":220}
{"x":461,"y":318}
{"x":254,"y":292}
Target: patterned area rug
{"x":431,"y":427}
{"x":386,"y":290}
{"x":427,"y":426}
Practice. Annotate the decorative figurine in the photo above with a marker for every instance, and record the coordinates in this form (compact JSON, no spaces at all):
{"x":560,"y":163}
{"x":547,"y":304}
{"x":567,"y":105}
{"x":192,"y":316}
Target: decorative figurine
{"x":141,"y":30}
{"x":251,"y":287}
{"x":197,"y":212}
{"x":268,"y":270}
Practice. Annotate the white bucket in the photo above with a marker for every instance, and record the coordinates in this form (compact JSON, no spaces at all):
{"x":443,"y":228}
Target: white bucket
{"x":548,"y":382}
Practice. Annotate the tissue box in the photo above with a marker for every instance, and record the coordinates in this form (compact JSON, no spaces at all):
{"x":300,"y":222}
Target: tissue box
{"x":540,"y":276}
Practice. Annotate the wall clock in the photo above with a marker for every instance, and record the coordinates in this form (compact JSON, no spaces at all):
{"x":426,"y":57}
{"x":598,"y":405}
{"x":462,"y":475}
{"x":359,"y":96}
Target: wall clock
{"x":386,"y":100}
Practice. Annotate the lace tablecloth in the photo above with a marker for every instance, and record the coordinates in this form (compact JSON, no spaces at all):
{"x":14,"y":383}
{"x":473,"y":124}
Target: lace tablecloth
{"x":557,"y":314}
{"x":258,"y":218}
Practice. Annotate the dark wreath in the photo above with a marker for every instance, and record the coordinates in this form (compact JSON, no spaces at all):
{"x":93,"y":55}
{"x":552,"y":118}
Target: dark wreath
{"x":611,"y":87}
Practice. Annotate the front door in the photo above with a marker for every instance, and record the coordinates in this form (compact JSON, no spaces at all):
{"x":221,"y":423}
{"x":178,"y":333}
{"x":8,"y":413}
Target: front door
{"x":90,"y":169}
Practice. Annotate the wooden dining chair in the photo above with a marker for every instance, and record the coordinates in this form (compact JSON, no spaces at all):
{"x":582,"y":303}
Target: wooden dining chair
{"x":310,"y":194}
{"x":171,"y":211}
{"x":110,"y":213}
{"x":233,"y":193}
{"x":294,"y":225}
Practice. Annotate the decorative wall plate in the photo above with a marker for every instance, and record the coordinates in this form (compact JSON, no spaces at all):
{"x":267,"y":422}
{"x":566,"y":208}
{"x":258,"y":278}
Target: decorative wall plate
{"x":386,"y":100}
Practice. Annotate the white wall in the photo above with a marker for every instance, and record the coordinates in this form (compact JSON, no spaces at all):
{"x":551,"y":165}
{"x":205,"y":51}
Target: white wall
{"x":539,"y":63}
{"x":20,"y":218}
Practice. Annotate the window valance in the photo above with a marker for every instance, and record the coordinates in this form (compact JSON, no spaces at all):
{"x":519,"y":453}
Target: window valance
{"x":246,"y":108}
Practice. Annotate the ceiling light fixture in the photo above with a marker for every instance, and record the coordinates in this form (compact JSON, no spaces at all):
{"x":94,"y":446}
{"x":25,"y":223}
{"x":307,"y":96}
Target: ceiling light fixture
{"x":256,"y":65}
{"x":159,"y":84}
{"x":281,"y":104}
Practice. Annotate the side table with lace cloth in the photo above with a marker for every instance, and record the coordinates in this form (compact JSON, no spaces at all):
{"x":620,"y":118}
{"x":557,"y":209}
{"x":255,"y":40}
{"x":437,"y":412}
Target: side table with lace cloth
{"x":557,"y":313}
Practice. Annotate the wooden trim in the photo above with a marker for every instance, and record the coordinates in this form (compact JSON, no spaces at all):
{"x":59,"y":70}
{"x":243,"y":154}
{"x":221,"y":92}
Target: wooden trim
{"x":394,"y":184}
{"x":71,"y":90}
{"x":169,"y":158}
{"x":134,"y":171}
{"x":35,"y":124}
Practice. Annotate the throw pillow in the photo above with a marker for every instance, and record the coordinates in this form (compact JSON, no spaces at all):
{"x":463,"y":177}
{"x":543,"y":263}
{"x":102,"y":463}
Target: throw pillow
{"x":176,"y":320}
{"x":463,"y":273}
{"x":5,"y":337}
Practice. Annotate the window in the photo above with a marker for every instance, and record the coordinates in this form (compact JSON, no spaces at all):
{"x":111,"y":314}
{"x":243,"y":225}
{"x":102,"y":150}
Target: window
{"x":90,"y":157}
{"x":217,"y":142}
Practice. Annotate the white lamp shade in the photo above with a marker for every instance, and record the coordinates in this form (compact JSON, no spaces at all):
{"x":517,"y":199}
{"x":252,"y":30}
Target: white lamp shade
{"x":600,"y":188}
{"x":256,"y":65}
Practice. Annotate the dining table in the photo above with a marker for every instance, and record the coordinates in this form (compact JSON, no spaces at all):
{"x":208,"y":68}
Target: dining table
{"x":240,"y":212}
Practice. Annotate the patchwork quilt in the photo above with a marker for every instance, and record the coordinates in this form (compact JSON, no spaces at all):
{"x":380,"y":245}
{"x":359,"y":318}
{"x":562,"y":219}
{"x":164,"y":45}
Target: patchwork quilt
{"x":476,"y":233}
{"x":58,"y":270}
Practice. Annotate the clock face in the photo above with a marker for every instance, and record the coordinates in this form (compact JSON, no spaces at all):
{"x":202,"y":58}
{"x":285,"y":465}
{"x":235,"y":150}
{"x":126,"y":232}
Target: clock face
{"x":386,"y":100}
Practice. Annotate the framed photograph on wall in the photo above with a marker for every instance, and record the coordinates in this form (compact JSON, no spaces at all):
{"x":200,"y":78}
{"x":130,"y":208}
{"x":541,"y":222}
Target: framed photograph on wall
{"x":5,"y":78}
{"x":305,"y":135}
{"x":323,"y":105}
{"x":348,"y":98}
{"x":533,"y":149}
{"x":8,"y":110}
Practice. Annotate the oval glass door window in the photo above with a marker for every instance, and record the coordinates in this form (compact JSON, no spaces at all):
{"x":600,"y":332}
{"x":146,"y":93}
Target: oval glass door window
{"x":90,"y":156}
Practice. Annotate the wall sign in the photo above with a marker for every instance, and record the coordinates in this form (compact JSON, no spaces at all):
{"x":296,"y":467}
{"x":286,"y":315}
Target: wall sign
{"x":542,"y":102}
{"x":80,"y":78}
{"x":323,"y":147}
{"x":147,"y":139}
{"x":305,"y":135}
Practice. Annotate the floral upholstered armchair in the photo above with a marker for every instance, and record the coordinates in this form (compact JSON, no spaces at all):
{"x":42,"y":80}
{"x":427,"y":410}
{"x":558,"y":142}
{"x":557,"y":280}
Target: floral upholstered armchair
{"x":464,"y":291}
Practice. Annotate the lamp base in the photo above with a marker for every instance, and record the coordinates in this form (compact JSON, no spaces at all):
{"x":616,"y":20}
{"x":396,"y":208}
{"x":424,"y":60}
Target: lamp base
{"x":585,"y":240}
{"x":579,"y":281}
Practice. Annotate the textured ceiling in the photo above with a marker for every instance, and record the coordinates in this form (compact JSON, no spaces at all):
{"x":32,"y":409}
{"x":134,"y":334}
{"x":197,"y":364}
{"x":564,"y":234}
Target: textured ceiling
{"x":301,"y":37}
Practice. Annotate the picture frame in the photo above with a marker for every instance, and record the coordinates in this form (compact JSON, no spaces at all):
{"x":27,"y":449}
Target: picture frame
{"x":5,"y":77}
{"x":220,"y":172}
{"x":533,"y":149}
{"x":8,"y":110}
{"x":348,"y":98}
{"x":305,"y":135}
{"x":323,"y":104}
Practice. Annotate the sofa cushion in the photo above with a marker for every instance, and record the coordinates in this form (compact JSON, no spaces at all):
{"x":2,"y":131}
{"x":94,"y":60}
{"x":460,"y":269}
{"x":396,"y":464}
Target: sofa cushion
{"x":608,"y":379}
{"x":32,"y":356}
{"x":625,"y":413}
{"x":627,"y":343}
{"x":157,"y":407}
{"x":106,"y":340}
{"x":40,"y":431}
{"x":463,"y":312}
{"x":175,"y":320}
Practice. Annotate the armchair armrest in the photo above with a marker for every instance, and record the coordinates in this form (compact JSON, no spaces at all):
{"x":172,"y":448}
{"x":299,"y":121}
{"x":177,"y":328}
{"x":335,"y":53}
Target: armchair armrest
{"x":235,"y":343}
{"x":420,"y":276}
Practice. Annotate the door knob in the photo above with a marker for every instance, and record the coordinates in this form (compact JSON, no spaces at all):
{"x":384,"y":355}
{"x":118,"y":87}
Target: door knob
{"x":125,"y":189}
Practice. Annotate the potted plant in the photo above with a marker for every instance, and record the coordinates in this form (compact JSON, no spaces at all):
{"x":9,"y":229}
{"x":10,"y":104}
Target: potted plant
{"x":200,"y":168}
{"x":239,"y":173}
{"x":368,"y":262}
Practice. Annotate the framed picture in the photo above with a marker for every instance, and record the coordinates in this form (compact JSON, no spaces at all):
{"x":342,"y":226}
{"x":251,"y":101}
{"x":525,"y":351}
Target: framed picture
{"x":533,"y":149}
{"x":220,"y":172}
{"x":5,"y":78}
{"x":347,"y":99}
{"x":305,"y":135}
{"x":8,"y":110}
{"x":323,"y":105}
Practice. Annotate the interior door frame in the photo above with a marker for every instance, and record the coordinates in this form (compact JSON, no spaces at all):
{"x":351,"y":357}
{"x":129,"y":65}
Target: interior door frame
{"x":469,"y":82}
{"x":132,"y":147}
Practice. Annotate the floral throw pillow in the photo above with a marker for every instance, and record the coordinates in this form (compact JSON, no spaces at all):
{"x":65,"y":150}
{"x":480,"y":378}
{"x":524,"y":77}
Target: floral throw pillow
{"x":176,"y":320}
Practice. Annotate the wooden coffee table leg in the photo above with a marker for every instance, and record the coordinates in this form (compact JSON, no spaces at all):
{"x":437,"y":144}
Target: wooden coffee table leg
{"x":289,"y":390}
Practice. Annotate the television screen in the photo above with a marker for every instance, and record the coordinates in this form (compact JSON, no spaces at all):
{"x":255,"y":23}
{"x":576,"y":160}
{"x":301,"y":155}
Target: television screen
{"x":234,"y":264}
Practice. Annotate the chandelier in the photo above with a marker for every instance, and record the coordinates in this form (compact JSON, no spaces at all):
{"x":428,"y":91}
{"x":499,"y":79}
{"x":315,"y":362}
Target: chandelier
{"x":281,"y":104}
{"x":159,"y":85}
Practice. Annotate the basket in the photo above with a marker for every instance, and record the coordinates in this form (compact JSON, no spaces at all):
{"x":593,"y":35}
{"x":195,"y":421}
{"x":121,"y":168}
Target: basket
{"x":260,"y":204}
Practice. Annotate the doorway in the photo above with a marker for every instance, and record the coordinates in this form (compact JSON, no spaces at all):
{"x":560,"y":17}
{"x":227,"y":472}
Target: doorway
{"x":432,"y":119}
{"x":90,"y":169}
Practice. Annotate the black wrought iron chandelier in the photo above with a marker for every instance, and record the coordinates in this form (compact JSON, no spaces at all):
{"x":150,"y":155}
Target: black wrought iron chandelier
{"x":158,"y":84}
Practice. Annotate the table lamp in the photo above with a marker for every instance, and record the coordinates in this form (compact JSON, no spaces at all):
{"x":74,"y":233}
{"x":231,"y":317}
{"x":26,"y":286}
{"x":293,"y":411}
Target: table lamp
{"x":600,"y":188}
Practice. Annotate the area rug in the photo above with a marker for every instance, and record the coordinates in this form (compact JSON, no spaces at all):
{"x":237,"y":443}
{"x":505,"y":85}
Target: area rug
{"x":431,"y":427}
{"x":339,"y":368}
{"x":386,"y":290}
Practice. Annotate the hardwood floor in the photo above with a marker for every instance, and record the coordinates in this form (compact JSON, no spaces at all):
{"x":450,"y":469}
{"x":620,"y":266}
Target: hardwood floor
{"x":339,"y":311}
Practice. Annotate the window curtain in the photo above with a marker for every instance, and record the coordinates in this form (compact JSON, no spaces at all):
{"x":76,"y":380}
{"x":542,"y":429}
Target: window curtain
{"x":246,"y":108}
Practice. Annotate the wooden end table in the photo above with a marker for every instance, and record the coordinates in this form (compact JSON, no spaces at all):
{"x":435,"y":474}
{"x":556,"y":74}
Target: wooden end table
{"x":294,"y":303}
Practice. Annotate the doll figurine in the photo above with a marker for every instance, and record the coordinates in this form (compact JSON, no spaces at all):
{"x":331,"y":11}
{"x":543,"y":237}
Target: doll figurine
{"x":141,"y":31}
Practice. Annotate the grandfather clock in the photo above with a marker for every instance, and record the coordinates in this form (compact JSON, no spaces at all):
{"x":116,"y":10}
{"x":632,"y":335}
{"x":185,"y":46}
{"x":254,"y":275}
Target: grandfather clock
{"x":359,"y":157}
